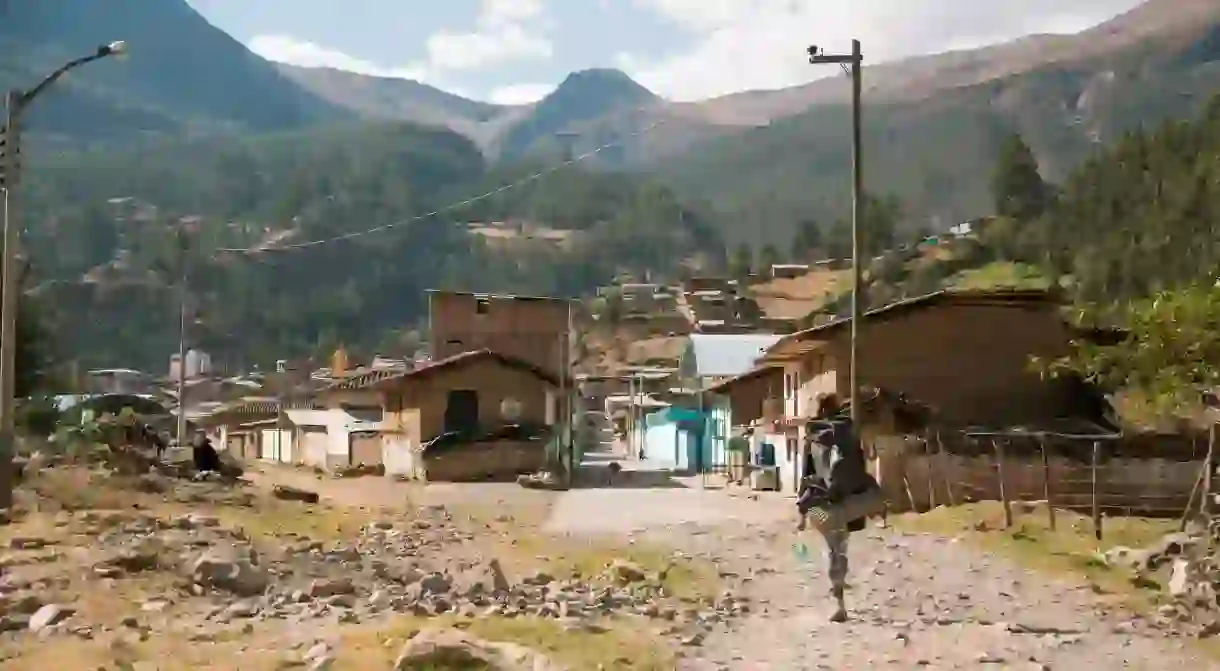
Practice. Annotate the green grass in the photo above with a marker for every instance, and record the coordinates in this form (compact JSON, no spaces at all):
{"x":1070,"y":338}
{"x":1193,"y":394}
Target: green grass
{"x":1070,"y":551}
{"x":1000,"y":274}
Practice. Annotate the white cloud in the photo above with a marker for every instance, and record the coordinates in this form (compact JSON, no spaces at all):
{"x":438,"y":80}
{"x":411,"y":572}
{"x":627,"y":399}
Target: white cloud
{"x":479,"y":49}
{"x":752,"y":44}
{"x":520,"y":94}
{"x":285,"y":49}
{"x":505,"y":31}
{"x":498,"y":12}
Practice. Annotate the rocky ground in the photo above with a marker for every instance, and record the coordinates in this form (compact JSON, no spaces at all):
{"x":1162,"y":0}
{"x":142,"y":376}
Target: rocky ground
{"x":158,"y":572}
{"x":101,"y":570}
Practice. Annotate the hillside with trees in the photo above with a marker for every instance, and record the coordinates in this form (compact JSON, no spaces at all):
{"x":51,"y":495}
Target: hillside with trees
{"x":109,"y":234}
{"x":934,"y":150}
{"x":184,"y":76}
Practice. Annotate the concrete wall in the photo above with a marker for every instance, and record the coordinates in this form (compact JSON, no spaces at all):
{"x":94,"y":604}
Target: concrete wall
{"x":1154,"y":487}
{"x":339,"y":425}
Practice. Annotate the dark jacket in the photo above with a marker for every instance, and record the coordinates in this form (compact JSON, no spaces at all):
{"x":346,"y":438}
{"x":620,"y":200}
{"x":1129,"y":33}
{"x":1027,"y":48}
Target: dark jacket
{"x":835,"y":466}
{"x":205,"y":456}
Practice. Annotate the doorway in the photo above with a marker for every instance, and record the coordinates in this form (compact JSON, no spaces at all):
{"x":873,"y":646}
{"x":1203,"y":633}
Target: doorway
{"x":462,"y":411}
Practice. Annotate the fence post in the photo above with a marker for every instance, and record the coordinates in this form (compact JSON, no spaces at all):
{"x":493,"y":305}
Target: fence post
{"x":1046,"y":482}
{"x":999,"y":459}
{"x":1190,"y":500}
{"x":944,"y":469}
{"x":1093,"y":474}
{"x":1209,"y":465}
{"x":928,"y":464}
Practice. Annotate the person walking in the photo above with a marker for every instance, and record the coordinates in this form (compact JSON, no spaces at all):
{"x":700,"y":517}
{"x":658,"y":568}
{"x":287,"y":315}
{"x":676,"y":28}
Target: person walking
{"x":839,"y":493}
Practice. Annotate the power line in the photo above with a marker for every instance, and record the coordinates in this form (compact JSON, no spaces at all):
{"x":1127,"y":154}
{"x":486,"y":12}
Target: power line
{"x":447,"y":208}
{"x":254,"y":251}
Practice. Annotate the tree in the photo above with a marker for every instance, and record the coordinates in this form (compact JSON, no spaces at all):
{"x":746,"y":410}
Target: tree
{"x":807,"y":241}
{"x":742,"y":262}
{"x":838,"y":242}
{"x":769,"y":256}
{"x":33,"y":355}
{"x":1171,"y":352}
{"x":879,"y":225}
{"x":1017,"y":187}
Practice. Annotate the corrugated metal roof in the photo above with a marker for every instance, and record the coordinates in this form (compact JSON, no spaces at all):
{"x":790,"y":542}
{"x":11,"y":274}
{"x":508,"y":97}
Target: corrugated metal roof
{"x":717,"y":354}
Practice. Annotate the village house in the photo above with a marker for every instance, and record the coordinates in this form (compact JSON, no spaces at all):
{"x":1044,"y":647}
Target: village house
{"x":258,"y":429}
{"x":966,"y":355}
{"x":748,"y":407}
{"x":468,"y":394}
{"x":535,"y":330}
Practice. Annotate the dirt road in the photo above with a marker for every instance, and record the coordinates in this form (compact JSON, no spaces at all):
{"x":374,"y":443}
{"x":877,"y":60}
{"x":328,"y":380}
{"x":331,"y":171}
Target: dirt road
{"x":917,"y":601}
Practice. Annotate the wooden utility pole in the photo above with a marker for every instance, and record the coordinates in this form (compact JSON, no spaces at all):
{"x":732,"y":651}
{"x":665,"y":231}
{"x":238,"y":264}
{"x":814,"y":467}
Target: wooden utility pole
{"x":9,"y":299}
{"x":853,"y":63}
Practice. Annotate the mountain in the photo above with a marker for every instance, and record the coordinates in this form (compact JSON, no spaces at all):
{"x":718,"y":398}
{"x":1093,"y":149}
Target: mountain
{"x":183,"y":75}
{"x":581,"y":97}
{"x":597,"y":107}
{"x":933,"y":126}
{"x":397,"y":99}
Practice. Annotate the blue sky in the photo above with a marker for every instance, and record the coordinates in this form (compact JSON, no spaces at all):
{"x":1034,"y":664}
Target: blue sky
{"x":515,"y":51}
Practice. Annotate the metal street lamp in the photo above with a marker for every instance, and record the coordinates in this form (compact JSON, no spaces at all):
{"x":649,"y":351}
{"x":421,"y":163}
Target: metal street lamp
{"x":17,"y":102}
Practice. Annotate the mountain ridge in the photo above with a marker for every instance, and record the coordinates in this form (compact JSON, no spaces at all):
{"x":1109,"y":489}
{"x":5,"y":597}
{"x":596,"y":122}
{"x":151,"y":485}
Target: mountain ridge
{"x":183,"y":75}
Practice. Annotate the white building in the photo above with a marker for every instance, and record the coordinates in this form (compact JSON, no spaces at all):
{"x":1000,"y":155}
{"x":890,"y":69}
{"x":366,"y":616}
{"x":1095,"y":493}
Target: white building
{"x":198,"y":363}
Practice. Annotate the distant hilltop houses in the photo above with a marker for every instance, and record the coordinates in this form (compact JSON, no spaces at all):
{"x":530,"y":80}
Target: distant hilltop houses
{"x":198,"y":363}
{"x":508,"y":233}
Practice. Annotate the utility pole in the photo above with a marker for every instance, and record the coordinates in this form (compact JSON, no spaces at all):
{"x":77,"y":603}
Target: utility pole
{"x":853,"y":64}
{"x":16,"y":102}
{"x":9,"y":299}
{"x":568,"y":397}
{"x":183,"y":248}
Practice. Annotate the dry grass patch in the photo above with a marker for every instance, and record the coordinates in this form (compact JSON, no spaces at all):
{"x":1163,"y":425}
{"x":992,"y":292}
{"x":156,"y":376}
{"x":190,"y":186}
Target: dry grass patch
{"x":621,"y":647}
{"x":1070,"y":551}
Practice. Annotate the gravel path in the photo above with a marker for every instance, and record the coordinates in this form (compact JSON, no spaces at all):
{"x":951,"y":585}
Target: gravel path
{"x":917,"y":602}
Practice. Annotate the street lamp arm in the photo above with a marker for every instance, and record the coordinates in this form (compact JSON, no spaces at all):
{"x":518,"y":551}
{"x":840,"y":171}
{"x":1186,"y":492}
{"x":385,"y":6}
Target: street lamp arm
{"x":112,"y":49}
{"x":27,"y":97}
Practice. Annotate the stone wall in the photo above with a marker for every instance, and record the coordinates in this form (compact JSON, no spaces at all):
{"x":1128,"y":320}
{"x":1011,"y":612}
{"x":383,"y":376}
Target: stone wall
{"x":471,"y":462}
{"x":1151,"y":486}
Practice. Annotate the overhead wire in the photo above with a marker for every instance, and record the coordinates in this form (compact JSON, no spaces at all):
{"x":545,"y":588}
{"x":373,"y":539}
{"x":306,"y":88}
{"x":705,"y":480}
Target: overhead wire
{"x":447,"y":208}
{"x":258,"y":250}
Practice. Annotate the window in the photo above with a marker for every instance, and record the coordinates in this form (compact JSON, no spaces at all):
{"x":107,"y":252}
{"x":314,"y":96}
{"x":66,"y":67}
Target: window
{"x":482,"y":305}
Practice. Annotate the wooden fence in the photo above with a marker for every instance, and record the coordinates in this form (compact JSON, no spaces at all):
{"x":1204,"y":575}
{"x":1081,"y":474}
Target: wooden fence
{"x":1084,"y":476}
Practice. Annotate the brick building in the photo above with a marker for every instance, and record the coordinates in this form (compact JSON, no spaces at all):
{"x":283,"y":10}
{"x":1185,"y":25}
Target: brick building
{"x":535,"y":330}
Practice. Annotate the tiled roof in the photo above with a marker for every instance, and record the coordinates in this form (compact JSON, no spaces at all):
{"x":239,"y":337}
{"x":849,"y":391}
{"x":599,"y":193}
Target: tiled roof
{"x":374,"y":378}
